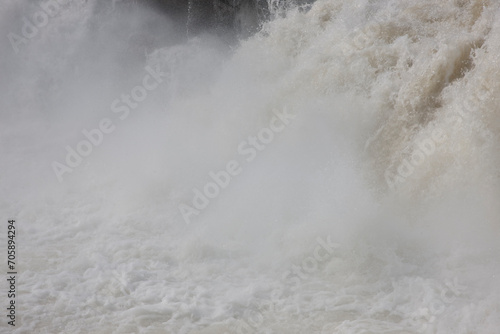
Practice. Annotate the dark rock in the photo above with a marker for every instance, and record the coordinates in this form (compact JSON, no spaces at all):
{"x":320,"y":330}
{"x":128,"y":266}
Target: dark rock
{"x":240,"y":17}
{"x":214,"y":15}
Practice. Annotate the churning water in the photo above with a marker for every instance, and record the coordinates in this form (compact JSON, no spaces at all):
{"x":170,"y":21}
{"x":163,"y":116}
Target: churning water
{"x":335,"y":173}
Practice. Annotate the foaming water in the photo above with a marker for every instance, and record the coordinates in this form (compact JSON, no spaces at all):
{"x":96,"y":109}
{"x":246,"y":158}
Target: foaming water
{"x":335,"y":173}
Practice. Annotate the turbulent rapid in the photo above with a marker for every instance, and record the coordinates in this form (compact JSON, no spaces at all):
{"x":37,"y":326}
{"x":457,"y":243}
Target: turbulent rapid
{"x":333,"y":171}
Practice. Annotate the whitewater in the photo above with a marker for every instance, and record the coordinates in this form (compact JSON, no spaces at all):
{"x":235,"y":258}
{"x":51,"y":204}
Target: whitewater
{"x":335,"y":172}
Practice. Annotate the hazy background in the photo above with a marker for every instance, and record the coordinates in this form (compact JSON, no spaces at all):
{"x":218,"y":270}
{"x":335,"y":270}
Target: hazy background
{"x":107,"y":250}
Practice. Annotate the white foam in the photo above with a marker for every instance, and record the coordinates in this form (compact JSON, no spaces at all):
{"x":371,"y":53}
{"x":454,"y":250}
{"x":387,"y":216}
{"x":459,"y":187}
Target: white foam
{"x":107,"y":250}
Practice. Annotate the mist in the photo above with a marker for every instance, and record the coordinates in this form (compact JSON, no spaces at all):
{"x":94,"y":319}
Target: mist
{"x":333,"y":170}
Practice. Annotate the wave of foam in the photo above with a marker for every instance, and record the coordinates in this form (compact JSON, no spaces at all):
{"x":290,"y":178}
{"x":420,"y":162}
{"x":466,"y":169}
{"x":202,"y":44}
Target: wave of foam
{"x":373,"y":209}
